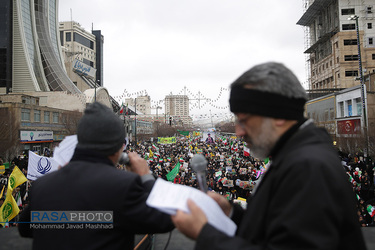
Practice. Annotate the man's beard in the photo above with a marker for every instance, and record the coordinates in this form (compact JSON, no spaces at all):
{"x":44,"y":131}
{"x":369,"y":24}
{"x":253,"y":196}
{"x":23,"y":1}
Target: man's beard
{"x":262,"y":144}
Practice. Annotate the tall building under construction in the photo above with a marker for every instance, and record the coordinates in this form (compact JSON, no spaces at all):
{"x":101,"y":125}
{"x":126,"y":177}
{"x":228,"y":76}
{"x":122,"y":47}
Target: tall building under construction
{"x":331,"y":41}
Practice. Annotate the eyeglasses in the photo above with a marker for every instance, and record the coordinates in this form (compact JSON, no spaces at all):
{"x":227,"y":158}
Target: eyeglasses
{"x":242,"y":121}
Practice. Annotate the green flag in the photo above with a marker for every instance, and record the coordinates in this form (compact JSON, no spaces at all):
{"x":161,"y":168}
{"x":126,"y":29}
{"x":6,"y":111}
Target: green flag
{"x":185,"y":133}
{"x":171,"y":175}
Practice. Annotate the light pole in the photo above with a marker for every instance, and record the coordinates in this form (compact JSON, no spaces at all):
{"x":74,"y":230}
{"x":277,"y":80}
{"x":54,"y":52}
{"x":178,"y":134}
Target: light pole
{"x":364,"y":115}
{"x":135,"y":121}
{"x":95,"y":89}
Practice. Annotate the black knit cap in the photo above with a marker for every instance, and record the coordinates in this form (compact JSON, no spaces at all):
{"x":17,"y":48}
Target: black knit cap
{"x":101,"y":130}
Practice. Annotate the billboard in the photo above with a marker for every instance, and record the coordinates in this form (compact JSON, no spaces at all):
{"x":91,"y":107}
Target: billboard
{"x":349,"y":127}
{"x":83,"y":69}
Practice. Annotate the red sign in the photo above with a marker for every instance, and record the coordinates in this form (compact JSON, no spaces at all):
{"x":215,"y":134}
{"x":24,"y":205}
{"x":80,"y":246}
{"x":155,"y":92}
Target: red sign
{"x":349,"y":127}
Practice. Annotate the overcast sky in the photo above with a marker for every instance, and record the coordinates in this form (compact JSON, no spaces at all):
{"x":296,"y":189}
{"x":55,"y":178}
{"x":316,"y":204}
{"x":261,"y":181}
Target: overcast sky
{"x":161,"y":46}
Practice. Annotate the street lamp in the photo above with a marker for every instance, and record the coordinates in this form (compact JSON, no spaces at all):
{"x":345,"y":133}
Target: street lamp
{"x":355,"y":17}
{"x":95,"y":88}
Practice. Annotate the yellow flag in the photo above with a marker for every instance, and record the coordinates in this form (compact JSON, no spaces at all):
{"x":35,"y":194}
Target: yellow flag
{"x":15,"y":179}
{"x":9,"y":209}
{"x":2,"y":191}
{"x":151,"y":154}
{"x":2,"y":169}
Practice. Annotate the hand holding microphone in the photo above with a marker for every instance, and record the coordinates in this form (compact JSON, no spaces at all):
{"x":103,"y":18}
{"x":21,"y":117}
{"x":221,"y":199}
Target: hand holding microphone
{"x":134,"y":163}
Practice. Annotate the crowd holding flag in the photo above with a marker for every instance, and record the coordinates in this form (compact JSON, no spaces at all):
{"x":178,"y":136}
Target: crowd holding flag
{"x":173,"y":173}
{"x":10,"y":209}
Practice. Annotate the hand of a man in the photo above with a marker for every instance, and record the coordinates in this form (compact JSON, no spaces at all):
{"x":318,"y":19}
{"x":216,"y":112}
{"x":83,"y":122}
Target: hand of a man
{"x":190,"y":224}
{"x":222,"y":202}
{"x":137,"y":164}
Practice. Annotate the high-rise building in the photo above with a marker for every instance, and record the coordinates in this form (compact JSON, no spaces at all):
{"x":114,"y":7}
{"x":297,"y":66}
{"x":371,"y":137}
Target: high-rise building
{"x":30,"y":55}
{"x":83,"y":54}
{"x":177,"y":106}
{"x":332,"y":45}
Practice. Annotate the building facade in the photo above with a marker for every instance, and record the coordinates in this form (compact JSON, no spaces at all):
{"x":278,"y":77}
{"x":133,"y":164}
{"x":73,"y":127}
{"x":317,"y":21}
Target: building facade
{"x":27,"y":124}
{"x":177,"y":107}
{"x":332,"y":45}
{"x":342,"y":115}
{"x":31,"y":58}
{"x":83,"y":53}
{"x":141,"y":104}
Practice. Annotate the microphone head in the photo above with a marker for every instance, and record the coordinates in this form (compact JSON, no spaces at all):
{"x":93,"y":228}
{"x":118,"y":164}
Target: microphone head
{"x":198,"y":163}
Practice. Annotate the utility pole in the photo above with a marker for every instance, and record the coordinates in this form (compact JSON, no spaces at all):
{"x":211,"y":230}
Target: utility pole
{"x":364,"y":115}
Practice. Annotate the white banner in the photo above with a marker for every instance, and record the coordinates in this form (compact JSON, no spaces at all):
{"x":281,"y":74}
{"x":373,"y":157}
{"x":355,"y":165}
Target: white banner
{"x":39,"y":166}
{"x":83,"y":69}
{"x":28,"y":136}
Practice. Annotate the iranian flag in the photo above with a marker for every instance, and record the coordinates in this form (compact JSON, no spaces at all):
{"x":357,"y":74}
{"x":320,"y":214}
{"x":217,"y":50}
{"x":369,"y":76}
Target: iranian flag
{"x":122,"y":108}
{"x":371,"y":210}
{"x":154,"y":147}
{"x":181,"y":159}
{"x":246,"y":151}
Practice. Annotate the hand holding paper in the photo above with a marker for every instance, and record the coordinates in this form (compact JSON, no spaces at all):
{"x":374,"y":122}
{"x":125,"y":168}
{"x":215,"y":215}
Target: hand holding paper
{"x":168,"y":197}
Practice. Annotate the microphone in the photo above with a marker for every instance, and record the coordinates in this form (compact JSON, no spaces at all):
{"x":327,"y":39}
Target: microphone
{"x":199,"y":165}
{"x":124,"y":159}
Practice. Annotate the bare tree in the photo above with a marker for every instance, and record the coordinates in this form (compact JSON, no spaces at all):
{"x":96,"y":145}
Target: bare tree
{"x":228,"y":127}
{"x":9,"y":134}
{"x":70,"y":120}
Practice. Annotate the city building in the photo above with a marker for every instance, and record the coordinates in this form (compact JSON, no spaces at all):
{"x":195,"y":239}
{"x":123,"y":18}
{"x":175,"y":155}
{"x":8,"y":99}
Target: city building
{"x":331,"y":42}
{"x":341,"y":114}
{"x":28,"y":124}
{"x":30,"y":57}
{"x":37,"y":96}
{"x":83,"y":53}
{"x":142,"y":104}
{"x":177,"y":108}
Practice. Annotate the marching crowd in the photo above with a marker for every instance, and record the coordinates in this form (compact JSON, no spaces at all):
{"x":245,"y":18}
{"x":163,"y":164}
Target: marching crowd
{"x":230,"y":171}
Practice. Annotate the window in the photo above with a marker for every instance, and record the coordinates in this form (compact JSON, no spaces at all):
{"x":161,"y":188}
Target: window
{"x":371,"y":41}
{"x":46,"y":116}
{"x":36,"y":115}
{"x":347,"y":12}
{"x":25,"y":114}
{"x":358,"y":102}
{"x":373,"y":56}
{"x":350,"y":42}
{"x":26,"y":99}
{"x":369,"y":10}
{"x":55,"y":117}
{"x":350,"y":108}
{"x":350,"y":26}
{"x":351,"y":73}
{"x":68,"y":36}
{"x":351,"y":57}
{"x":341,"y":109}
{"x":369,"y":25}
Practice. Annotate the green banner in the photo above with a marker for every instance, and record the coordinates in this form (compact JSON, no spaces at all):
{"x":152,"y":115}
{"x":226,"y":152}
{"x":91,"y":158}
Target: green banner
{"x":185,"y":133}
{"x":171,"y":175}
{"x":166,"y":140}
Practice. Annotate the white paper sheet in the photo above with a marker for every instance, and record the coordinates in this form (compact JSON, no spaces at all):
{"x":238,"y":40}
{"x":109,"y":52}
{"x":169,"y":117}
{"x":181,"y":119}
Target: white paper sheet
{"x":64,"y":152}
{"x":168,"y":197}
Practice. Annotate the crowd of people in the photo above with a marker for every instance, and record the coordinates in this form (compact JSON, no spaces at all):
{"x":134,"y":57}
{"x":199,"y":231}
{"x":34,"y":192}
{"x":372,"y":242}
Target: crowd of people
{"x":361,"y":174}
{"x":230,"y":172}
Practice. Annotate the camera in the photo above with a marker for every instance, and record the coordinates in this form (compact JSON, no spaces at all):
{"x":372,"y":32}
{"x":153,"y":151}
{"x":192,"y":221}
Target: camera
{"x":124,"y":159}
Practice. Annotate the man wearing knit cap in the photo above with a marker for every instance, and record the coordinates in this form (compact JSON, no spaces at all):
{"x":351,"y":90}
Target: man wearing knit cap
{"x":90,"y":182}
{"x":304,"y":200}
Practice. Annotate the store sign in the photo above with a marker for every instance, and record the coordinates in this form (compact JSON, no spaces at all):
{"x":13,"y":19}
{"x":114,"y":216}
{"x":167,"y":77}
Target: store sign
{"x":36,"y":136}
{"x":349,"y":127}
{"x":84,"y":69}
